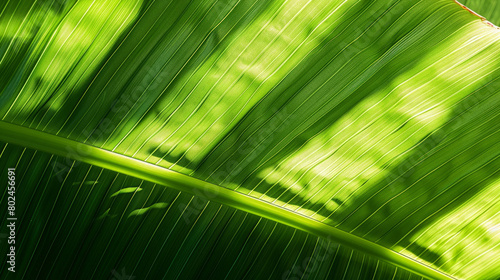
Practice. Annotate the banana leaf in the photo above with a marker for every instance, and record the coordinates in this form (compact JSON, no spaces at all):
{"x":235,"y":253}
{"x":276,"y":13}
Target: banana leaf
{"x":251,"y":139}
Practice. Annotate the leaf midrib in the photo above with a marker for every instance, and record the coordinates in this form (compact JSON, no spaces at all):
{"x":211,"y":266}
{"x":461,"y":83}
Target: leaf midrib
{"x":57,"y":145}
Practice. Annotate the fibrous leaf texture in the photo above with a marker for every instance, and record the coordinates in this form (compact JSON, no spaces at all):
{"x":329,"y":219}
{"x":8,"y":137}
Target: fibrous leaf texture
{"x":252,"y":139}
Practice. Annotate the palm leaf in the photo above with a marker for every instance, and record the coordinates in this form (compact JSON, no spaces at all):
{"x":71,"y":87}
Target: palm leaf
{"x":296,"y":139}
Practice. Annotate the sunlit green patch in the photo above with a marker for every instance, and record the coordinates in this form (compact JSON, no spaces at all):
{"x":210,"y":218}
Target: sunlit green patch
{"x":127,"y":191}
{"x":142,"y":211}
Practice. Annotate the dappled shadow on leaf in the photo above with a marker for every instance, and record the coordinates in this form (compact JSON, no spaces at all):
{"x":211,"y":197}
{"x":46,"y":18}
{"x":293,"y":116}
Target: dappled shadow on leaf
{"x":307,"y":101}
{"x":67,"y":40}
{"x":182,"y":35}
{"x":440,"y":174}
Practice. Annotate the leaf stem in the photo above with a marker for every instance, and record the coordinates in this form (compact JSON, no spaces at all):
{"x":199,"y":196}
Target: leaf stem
{"x":45,"y":142}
